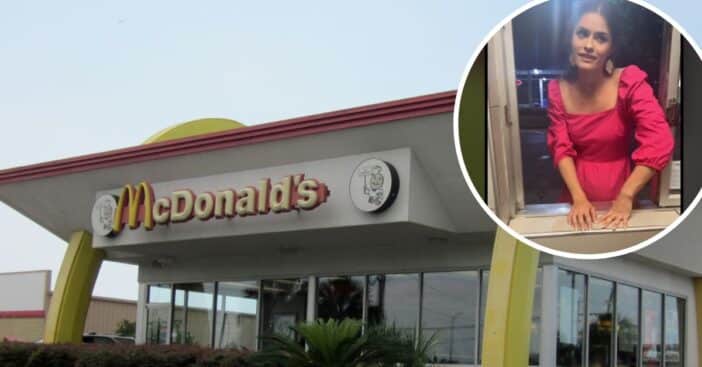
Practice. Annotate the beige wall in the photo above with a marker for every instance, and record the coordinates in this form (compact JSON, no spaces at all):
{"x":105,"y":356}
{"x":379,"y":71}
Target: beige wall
{"x":23,"y":329}
{"x":103,"y":316}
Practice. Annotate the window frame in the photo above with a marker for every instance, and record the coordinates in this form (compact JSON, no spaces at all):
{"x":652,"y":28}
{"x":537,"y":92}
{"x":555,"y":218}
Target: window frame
{"x":641,"y":289}
{"x":168,"y":308}
{"x":312,"y":297}
{"x":504,"y":169}
{"x":503,"y":126}
{"x":669,"y":98}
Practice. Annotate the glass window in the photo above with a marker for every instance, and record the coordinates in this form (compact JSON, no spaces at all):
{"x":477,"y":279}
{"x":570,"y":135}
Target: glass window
{"x":571,"y":319}
{"x":178,"y":335}
{"x":158,"y":309}
{"x":627,"y":326}
{"x":600,"y":327}
{"x":192,"y":314}
{"x":536,"y":322}
{"x":674,"y":331}
{"x":284,"y":305}
{"x":340,"y":297}
{"x":484,"y":278}
{"x":237,"y":307}
{"x":449,"y":305}
{"x":159,"y":293}
{"x":652,"y":322}
{"x":393,"y":301}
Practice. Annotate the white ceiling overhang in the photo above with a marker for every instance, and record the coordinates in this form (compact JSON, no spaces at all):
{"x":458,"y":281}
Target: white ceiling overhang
{"x":59,"y":196}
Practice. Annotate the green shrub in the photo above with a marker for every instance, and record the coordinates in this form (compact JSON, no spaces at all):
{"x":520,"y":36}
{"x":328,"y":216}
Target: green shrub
{"x":223,"y":358}
{"x":52,"y":356}
{"x":14,"y":354}
{"x":101,"y":355}
{"x":143,"y":356}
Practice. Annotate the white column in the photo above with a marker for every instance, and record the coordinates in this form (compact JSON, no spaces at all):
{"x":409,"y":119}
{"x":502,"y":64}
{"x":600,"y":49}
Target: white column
{"x":549,"y":319}
{"x":140,"y":336}
{"x":312,"y":299}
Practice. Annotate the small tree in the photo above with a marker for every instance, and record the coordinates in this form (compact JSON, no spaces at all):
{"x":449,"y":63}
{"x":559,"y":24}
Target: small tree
{"x":126,"y":328}
{"x":342,"y":344}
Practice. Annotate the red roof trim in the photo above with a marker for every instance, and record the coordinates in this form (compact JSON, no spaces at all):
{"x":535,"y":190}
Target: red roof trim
{"x":314,"y":124}
{"x":22,"y":314}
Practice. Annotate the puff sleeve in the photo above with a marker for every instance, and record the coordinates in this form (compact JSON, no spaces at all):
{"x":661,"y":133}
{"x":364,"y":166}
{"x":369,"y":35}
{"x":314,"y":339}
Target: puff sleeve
{"x":558,"y":138}
{"x":651,"y":130}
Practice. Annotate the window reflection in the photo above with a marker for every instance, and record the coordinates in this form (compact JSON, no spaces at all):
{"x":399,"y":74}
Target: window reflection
{"x":178,"y":335}
{"x":627,"y":326}
{"x":284,"y":305}
{"x":600,"y":312}
{"x":192,"y":314}
{"x":237,"y":306}
{"x":449,"y":305}
{"x":674,"y":309}
{"x":571,"y":318}
{"x":652,"y":321}
{"x":484,"y":280}
{"x":448,"y":308}
{"x":393,"y":301}
{"x":158,"y":309}
{"x":340,"y":297}
{"x":536,"y":322}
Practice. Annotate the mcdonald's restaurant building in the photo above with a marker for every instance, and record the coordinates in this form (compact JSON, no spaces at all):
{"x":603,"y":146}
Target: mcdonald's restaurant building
{"x":360,"y":213}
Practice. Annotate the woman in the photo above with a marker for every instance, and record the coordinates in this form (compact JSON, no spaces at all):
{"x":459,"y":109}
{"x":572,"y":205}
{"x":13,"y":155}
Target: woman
{"x":594,"y":109}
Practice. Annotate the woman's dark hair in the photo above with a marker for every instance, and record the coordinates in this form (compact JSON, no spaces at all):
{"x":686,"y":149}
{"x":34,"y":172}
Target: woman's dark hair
{"x":612,"y":11}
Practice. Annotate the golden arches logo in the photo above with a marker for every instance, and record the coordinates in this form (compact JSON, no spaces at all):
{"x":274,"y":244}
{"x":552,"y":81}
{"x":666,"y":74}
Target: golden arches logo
{"x":134,"y":199}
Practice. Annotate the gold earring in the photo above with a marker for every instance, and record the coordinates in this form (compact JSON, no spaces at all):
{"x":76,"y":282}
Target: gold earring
{"x":571,"y":59}
{"x":609,"y":67}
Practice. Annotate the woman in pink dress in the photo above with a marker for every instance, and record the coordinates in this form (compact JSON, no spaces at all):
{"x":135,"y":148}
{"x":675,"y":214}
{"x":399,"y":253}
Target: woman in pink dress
{"x":594,"y":110}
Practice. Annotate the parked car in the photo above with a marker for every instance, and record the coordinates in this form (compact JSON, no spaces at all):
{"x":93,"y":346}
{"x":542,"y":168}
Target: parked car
{"x":106,"y":339}
{"x":93,"y":338}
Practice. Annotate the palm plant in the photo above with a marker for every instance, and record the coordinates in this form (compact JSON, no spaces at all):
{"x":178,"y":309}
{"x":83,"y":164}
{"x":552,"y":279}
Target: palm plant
{"x":405,"y":350}
{"x":335,"y":343}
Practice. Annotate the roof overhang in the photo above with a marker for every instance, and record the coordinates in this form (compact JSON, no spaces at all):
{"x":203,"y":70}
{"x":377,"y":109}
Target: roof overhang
{"x":59,"y":195}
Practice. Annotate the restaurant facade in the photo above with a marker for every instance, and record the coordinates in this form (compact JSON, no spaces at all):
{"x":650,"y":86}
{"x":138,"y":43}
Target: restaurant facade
{"x":360,"y":213}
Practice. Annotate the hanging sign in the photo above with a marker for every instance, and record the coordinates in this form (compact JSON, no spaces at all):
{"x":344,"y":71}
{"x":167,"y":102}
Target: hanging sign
{"x":374,"y":185}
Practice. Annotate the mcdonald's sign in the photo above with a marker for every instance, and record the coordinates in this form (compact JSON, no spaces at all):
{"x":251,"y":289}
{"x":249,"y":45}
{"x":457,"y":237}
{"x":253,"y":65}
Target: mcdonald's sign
{"x":137,"y":206}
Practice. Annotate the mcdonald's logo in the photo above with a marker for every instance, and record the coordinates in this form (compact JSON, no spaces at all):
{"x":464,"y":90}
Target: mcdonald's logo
{"x":136,"y":205}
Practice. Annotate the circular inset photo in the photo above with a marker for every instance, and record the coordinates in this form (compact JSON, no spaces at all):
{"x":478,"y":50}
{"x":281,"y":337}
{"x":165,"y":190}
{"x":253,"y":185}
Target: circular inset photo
{"x":581,"y":137}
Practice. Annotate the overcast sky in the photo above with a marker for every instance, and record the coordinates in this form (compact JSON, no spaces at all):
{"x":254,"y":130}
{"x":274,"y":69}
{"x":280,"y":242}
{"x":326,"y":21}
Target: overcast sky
{"x":90,"y":76}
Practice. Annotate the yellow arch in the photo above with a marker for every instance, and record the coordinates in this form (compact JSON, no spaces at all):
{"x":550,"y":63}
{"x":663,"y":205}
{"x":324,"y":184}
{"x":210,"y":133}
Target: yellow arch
{"x":193,"y":128}
{"x":513,"y":270}
{"x":65,"y":320}
{"x":68,"y":309}
{"x":510,"y":300}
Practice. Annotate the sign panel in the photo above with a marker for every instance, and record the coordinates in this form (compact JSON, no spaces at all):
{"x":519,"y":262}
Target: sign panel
{"x":295,"y":197}
{"x":137,"y":206}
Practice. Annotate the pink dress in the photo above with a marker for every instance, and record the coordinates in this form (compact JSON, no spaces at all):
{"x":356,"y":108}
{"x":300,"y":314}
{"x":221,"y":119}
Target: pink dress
{"x":600,"y":143}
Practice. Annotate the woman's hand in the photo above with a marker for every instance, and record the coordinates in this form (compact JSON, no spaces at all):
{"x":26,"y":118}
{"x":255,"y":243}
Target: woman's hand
{"x":582,"y":214}
{"x":619,"y":213}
